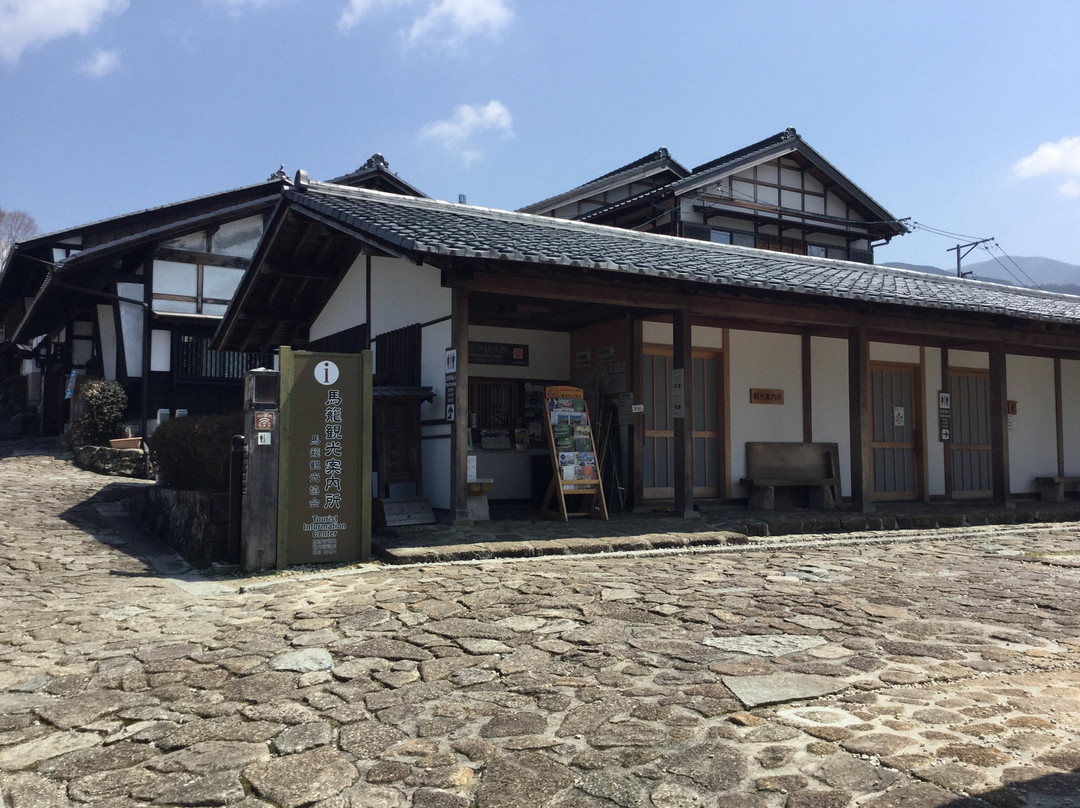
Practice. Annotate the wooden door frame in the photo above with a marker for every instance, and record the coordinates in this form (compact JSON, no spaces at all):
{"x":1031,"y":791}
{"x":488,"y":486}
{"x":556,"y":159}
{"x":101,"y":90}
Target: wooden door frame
{"x":668,"y":492}
{"x":953,"y":492}
{"x":918,"y":437}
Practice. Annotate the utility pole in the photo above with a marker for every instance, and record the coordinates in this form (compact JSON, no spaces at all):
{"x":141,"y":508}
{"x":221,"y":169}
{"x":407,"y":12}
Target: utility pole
{"x":959,"y":255}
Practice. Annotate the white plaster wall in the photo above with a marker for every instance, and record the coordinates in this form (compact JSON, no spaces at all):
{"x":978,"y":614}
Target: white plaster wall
{"x":889,"y":352}
{"x":770,"y":361}
{"x":404,"y":294}
{"x":160,"y":350}
{"x":435,"y":450}
{"x":829,"y":400}
{"x":549,"y":353}
{"x":348,"y":305}
{"x":1070,"y":414}
{"x":435,"y":446}
{"x":549,"y":359}
{"x":700,"y":336}
{"x":1033,"y":437}
{"x":935,"y":449}
{"x":131,"y":326}
{"x":434,"y":340}
{"x":107,"y":333}
{"x":975,"y":360}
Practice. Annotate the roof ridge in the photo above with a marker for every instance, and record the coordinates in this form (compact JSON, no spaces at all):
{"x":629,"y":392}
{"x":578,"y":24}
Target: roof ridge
{"x":52,"y":234}
{"x":616,"y":232}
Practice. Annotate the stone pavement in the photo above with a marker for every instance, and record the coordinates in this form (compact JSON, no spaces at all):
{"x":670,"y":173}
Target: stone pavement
{"x":936,"y":670}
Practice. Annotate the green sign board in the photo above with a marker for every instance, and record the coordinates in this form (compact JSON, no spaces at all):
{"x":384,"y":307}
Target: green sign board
{"x":324,"y":489}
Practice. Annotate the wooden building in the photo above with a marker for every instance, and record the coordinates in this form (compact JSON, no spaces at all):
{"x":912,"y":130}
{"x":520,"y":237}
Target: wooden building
{"x":137,"y":299}
{"x":931,"y":386}
{"x":777,"y":194}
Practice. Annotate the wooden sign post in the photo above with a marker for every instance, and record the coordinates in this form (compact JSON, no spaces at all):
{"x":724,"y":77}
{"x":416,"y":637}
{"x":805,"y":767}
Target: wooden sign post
{"x":573,"y":457}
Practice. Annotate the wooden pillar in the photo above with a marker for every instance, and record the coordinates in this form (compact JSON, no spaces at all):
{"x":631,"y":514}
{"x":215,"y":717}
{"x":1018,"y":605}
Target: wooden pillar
{"x":946,"y":387}
{"x":807,"y":391}
{"x":636,"y":433}
{"x":862,"y":477}
{"x":147,"y":344}
{"x":682,"y":380}
{"x":459,"y":429}
{"x":999,"y":426}
{"x":1059,"y":415}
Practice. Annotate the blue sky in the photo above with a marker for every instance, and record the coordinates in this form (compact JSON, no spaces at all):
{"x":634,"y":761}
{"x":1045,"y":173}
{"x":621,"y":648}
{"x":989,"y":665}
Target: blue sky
{"x":961,"y":115}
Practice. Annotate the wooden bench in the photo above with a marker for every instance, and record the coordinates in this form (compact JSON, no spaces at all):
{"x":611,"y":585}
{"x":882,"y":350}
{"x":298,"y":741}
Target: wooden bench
{"x":1052,"y":488}
{"x":814,"y":466}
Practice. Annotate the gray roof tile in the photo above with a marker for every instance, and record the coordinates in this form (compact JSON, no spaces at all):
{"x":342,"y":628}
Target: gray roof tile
{"x":429,"y":227}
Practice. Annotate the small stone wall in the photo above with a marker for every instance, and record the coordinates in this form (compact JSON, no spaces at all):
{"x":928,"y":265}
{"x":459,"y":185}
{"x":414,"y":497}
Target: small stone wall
{"x":194,"y":523}
{"x":114,"y":462}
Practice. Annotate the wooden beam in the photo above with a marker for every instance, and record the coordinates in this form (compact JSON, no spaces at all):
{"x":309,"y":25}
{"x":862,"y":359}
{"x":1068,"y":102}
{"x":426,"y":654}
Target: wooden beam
{"x":683,"y":392}
{"x":206,"y":259}
{"x":946,"y":387}
{"x":862,"y":478}
{"x":807,"y":390}
{"x":1059,"y":415}
{"x":636,"y":432}
{"x":757,"y":309}
{"x":999,"y":426}
{"x":459,"y":435}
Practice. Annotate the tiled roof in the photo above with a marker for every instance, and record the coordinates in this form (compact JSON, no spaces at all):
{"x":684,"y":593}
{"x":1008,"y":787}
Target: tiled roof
{"x":426,"y":227}
{"x":659,"y":158}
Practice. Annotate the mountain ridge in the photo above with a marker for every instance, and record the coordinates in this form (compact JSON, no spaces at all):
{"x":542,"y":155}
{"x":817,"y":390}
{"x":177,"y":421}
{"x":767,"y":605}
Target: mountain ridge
{"x":1049,"y":274}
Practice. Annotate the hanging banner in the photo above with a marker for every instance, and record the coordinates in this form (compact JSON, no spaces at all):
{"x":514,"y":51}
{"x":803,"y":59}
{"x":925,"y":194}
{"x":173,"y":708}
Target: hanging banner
{"x":324,"y":490}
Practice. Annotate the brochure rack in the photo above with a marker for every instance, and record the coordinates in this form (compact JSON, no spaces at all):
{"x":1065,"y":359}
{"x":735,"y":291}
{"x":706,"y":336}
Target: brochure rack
{"x":573,"y":457}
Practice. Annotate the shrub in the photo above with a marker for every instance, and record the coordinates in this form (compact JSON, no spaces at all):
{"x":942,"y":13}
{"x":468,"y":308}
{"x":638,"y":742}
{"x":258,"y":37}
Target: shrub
{"x":103,"y":403}
{"x":193,"y":451}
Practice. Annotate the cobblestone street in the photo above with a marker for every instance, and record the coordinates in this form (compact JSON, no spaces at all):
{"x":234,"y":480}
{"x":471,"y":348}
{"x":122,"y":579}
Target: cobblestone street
{"x":940,"y":669}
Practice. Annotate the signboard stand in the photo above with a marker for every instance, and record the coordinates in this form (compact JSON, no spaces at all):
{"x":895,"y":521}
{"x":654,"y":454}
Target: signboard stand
{"x":573,"y":457}
{"x":324,"y":473}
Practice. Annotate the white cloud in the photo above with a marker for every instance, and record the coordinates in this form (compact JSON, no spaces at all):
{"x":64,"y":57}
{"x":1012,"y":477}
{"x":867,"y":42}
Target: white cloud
{"x":440,"y":22}
{"x":1070,"y":188}
{"x":26,"y":23}
{"x":358,"y":9}
{"x":101,"y":63}
{"x":455,"y":20}
{"x":238,"y":5}
{"x":1060,"y":159}
{"x":458,"y":134}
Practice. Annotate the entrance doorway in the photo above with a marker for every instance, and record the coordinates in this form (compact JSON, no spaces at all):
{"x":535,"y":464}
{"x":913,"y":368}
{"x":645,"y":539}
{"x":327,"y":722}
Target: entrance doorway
{"x":969,"y":451}
{"x":658,"y":456}
{"x":894,"y":404}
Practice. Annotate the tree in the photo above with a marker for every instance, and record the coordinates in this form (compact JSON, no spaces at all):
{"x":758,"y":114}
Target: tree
{"x":15,"y":225}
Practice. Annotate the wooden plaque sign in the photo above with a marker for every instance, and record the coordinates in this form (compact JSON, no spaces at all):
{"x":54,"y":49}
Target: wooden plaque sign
{"x":759,"y":396}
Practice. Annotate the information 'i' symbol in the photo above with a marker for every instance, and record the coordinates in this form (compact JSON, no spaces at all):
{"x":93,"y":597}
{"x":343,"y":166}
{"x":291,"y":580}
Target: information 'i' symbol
{"x":326,"y":372}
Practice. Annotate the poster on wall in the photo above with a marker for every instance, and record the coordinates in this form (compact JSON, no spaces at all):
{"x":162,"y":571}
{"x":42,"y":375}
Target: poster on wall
{"x":324,"y":501}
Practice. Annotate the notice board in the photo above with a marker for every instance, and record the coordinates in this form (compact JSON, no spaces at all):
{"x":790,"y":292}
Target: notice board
{"x":576,"y":472}
{"x":324,"y":473}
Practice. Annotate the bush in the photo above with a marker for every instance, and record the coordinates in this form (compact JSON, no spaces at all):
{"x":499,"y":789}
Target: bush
{"x":193,"y":452}
{"x":103,"y":404}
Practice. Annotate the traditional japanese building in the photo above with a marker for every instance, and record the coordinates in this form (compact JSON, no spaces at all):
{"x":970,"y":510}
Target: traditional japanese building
{"x":931,"y":386}
{"x":137,"y":299}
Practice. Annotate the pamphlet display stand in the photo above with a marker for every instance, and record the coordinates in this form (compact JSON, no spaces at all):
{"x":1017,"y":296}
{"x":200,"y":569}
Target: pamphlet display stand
{"x":573,"y":457}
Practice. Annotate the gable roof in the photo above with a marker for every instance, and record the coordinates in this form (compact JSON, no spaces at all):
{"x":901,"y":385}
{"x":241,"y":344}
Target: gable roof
{"x":28,"y":264}
{"x":659,"y":162}
{"x":444,"y":234}
{"x":68,"y":282}
{"x":376,"y":174}
{"x":785,"y":143}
